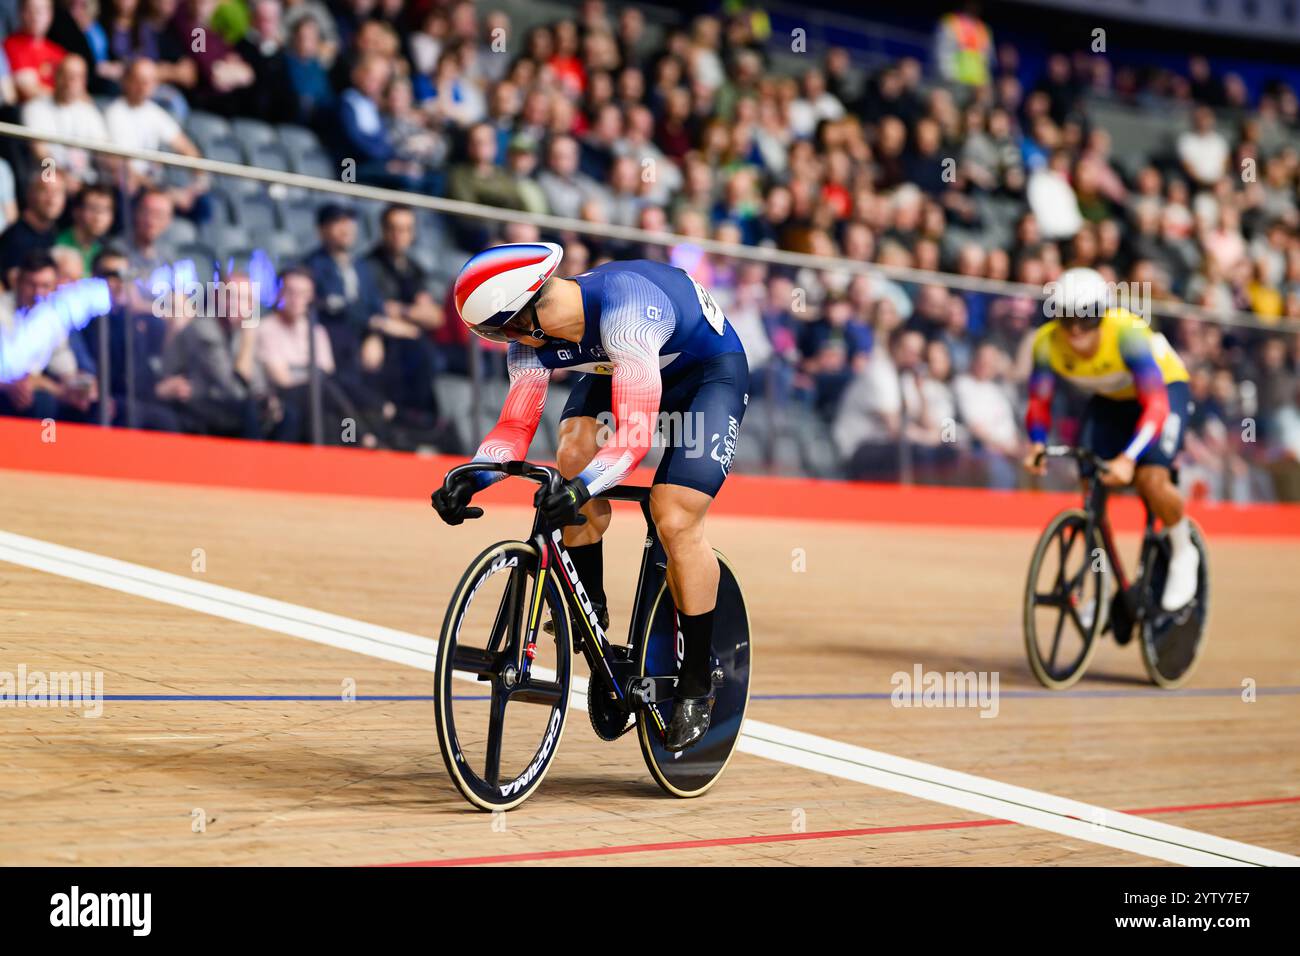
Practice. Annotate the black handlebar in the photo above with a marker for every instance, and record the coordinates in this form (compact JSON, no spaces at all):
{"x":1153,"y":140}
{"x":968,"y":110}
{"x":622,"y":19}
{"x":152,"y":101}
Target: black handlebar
{"x":1081,"y":455}
{"x":542,"y":474}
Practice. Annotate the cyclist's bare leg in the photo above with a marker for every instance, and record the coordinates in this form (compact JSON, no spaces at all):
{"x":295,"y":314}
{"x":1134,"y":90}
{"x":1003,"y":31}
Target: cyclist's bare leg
{"x":678,"y":514}
{"x":693,"y":574}
{"x":1157,"y":489}
{"x":579,"y":440}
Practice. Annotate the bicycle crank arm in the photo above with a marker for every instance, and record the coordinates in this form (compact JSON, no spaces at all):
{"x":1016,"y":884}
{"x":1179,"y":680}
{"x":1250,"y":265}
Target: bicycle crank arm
{"x":651,"y":690}
{"x":654,"y":690}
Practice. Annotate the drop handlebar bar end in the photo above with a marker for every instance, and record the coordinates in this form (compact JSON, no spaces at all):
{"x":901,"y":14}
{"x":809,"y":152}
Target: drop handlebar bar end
{"x":1081,"y":455}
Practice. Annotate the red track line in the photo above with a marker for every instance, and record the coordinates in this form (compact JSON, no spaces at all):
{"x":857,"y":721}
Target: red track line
{"x":697,"y":844}
{"x":1188,"y":808}
{"x":794,"y":837}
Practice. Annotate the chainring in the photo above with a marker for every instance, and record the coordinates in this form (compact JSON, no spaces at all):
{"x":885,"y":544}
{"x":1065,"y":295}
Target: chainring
{"x":607,"y":720}
{"x":1121,"y":616}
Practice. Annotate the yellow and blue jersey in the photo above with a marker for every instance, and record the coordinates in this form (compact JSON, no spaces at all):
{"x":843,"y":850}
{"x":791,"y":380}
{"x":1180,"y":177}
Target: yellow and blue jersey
{"x":1129,"y":350}
{"x":1132,"y":363}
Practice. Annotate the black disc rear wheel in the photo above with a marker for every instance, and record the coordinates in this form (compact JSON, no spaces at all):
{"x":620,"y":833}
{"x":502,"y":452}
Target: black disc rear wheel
{"x":1172,"y":641}
{"x":691,"y":772}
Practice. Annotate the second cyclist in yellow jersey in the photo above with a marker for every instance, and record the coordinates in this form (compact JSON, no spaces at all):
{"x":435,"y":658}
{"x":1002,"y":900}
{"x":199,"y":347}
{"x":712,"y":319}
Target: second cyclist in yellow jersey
{"x":1134,"y":421}
{"x":1125,"y":345}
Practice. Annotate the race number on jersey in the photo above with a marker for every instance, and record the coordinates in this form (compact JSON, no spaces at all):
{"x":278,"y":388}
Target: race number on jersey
{"x":712,"y":314}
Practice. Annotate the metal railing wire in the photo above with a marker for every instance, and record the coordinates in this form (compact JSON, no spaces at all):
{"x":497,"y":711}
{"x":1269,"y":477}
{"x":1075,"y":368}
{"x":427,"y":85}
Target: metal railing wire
{"x":1163,"y":308}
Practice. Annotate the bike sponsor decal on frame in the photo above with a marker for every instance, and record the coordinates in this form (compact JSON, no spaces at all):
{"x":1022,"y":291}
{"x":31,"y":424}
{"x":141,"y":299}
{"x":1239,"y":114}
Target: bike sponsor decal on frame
{"x":572,"y":573}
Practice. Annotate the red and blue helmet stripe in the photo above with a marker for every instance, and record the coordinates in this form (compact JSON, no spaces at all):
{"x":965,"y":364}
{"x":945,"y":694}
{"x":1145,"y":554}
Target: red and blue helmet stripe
{"x":513,"y":272}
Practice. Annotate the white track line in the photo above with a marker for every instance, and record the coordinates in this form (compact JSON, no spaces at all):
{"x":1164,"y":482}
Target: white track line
{"x":1031,"y":808}
{"x":1072,"y":818}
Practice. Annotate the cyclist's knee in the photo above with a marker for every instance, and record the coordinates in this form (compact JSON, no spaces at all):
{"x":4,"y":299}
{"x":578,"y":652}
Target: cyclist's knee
{"x":598,"y":512}
{"x":678,"y":529}
{"x":576,"y":446}
{"x":572,"y":460}
{"x":576,"y":535}
{"x":1151,"y":480}
{"x":572,"y":457}
{"x":679,"y":519}
{"x":1156,"y":486}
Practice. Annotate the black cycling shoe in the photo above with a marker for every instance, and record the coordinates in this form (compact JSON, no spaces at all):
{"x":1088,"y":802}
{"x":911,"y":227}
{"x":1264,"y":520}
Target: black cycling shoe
{"x":691,"y":716}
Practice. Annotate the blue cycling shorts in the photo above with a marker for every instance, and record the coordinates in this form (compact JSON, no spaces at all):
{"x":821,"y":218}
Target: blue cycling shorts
{"x":1109,"y":425}
{"x":700,"y":412}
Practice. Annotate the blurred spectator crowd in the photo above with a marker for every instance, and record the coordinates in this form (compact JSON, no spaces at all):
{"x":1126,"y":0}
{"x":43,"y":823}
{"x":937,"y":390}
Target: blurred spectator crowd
{"x":703,"y":125}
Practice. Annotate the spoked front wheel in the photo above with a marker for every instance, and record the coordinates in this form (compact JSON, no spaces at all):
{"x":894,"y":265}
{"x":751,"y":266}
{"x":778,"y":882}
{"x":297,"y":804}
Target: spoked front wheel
{"x":1065,"y":601}
{"x":501,"y":704}
{"x":693,"y":771}
{"x":1172,"y":640}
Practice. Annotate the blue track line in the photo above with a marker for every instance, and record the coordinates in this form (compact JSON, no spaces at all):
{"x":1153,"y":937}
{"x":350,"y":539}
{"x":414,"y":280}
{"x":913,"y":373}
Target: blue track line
{"x":1129,"y":692}
{"x":1286,"y":691}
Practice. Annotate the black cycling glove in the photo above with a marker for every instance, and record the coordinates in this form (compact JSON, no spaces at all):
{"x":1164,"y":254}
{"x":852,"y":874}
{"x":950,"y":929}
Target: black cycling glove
{"x":452,"y":504}
{"x":561,"y":507}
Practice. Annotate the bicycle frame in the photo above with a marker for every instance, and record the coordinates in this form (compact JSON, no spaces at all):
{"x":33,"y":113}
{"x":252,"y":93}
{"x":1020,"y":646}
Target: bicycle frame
{"x":1095,"y":499}
{"x":614,"y":666}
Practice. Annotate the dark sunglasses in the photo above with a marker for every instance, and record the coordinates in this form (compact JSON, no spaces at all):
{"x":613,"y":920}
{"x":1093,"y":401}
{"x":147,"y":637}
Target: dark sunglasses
{"x":1080,"y":322}
{"x":522,"y":325}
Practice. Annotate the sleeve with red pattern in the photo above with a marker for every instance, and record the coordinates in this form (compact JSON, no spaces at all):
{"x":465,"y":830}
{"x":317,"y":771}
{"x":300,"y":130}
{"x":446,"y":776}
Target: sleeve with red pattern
{"x":1149,"y":383}
{"x":513,"y":433}
{"x":638,"y":319}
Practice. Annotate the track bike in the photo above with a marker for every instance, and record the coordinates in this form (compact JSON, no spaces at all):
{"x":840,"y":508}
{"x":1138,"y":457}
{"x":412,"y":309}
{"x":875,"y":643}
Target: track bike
{"x":1076,"y":577}
{"x":493,"y":634}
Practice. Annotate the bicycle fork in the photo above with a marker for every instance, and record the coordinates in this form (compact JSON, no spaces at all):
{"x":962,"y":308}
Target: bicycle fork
{"x":534,"y":614}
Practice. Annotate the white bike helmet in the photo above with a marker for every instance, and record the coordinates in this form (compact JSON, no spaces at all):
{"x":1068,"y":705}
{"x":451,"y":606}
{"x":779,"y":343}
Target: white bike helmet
{"x":497,"y":283}
{"x":1079,"y":294}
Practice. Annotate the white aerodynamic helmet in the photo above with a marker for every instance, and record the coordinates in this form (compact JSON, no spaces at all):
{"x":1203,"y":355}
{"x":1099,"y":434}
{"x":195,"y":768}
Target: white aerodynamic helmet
{"x":1079,"y":294}
{"x":497,"y":283}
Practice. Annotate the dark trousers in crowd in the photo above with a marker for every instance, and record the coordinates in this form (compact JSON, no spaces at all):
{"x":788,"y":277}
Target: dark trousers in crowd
{"x":349,"y":412}
{"x":146,"y":414}
{"x":882,"y":461}
{"x":397,"y":400}
{"x":236,"y":418}
{"x":407,"y":377}
{"x":44,"y":405}
{"x":345,"y":343}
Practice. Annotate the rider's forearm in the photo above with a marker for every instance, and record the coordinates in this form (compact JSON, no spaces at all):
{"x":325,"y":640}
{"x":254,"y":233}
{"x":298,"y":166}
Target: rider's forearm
{"x":513,"y":433}
{"x":1154,"y":398}
{"x":1149,"y":384}
{"x":508,"y":441}
{"x":606,"y":471}
{"x":616,"y":460}
{"x":636,"y":405}
{"x":635,"y":390}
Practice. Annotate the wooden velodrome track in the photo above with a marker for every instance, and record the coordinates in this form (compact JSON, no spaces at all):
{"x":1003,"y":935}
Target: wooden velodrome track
{"x":225,"y":737}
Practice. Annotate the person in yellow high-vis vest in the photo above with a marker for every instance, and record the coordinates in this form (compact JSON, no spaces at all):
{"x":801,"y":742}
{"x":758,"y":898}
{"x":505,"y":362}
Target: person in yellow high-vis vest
{"x":963,"y":48}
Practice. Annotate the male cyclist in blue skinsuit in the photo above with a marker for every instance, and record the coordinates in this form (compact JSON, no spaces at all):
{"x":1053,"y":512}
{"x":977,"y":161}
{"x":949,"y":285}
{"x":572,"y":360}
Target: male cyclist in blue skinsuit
{"x":648,"y":338}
